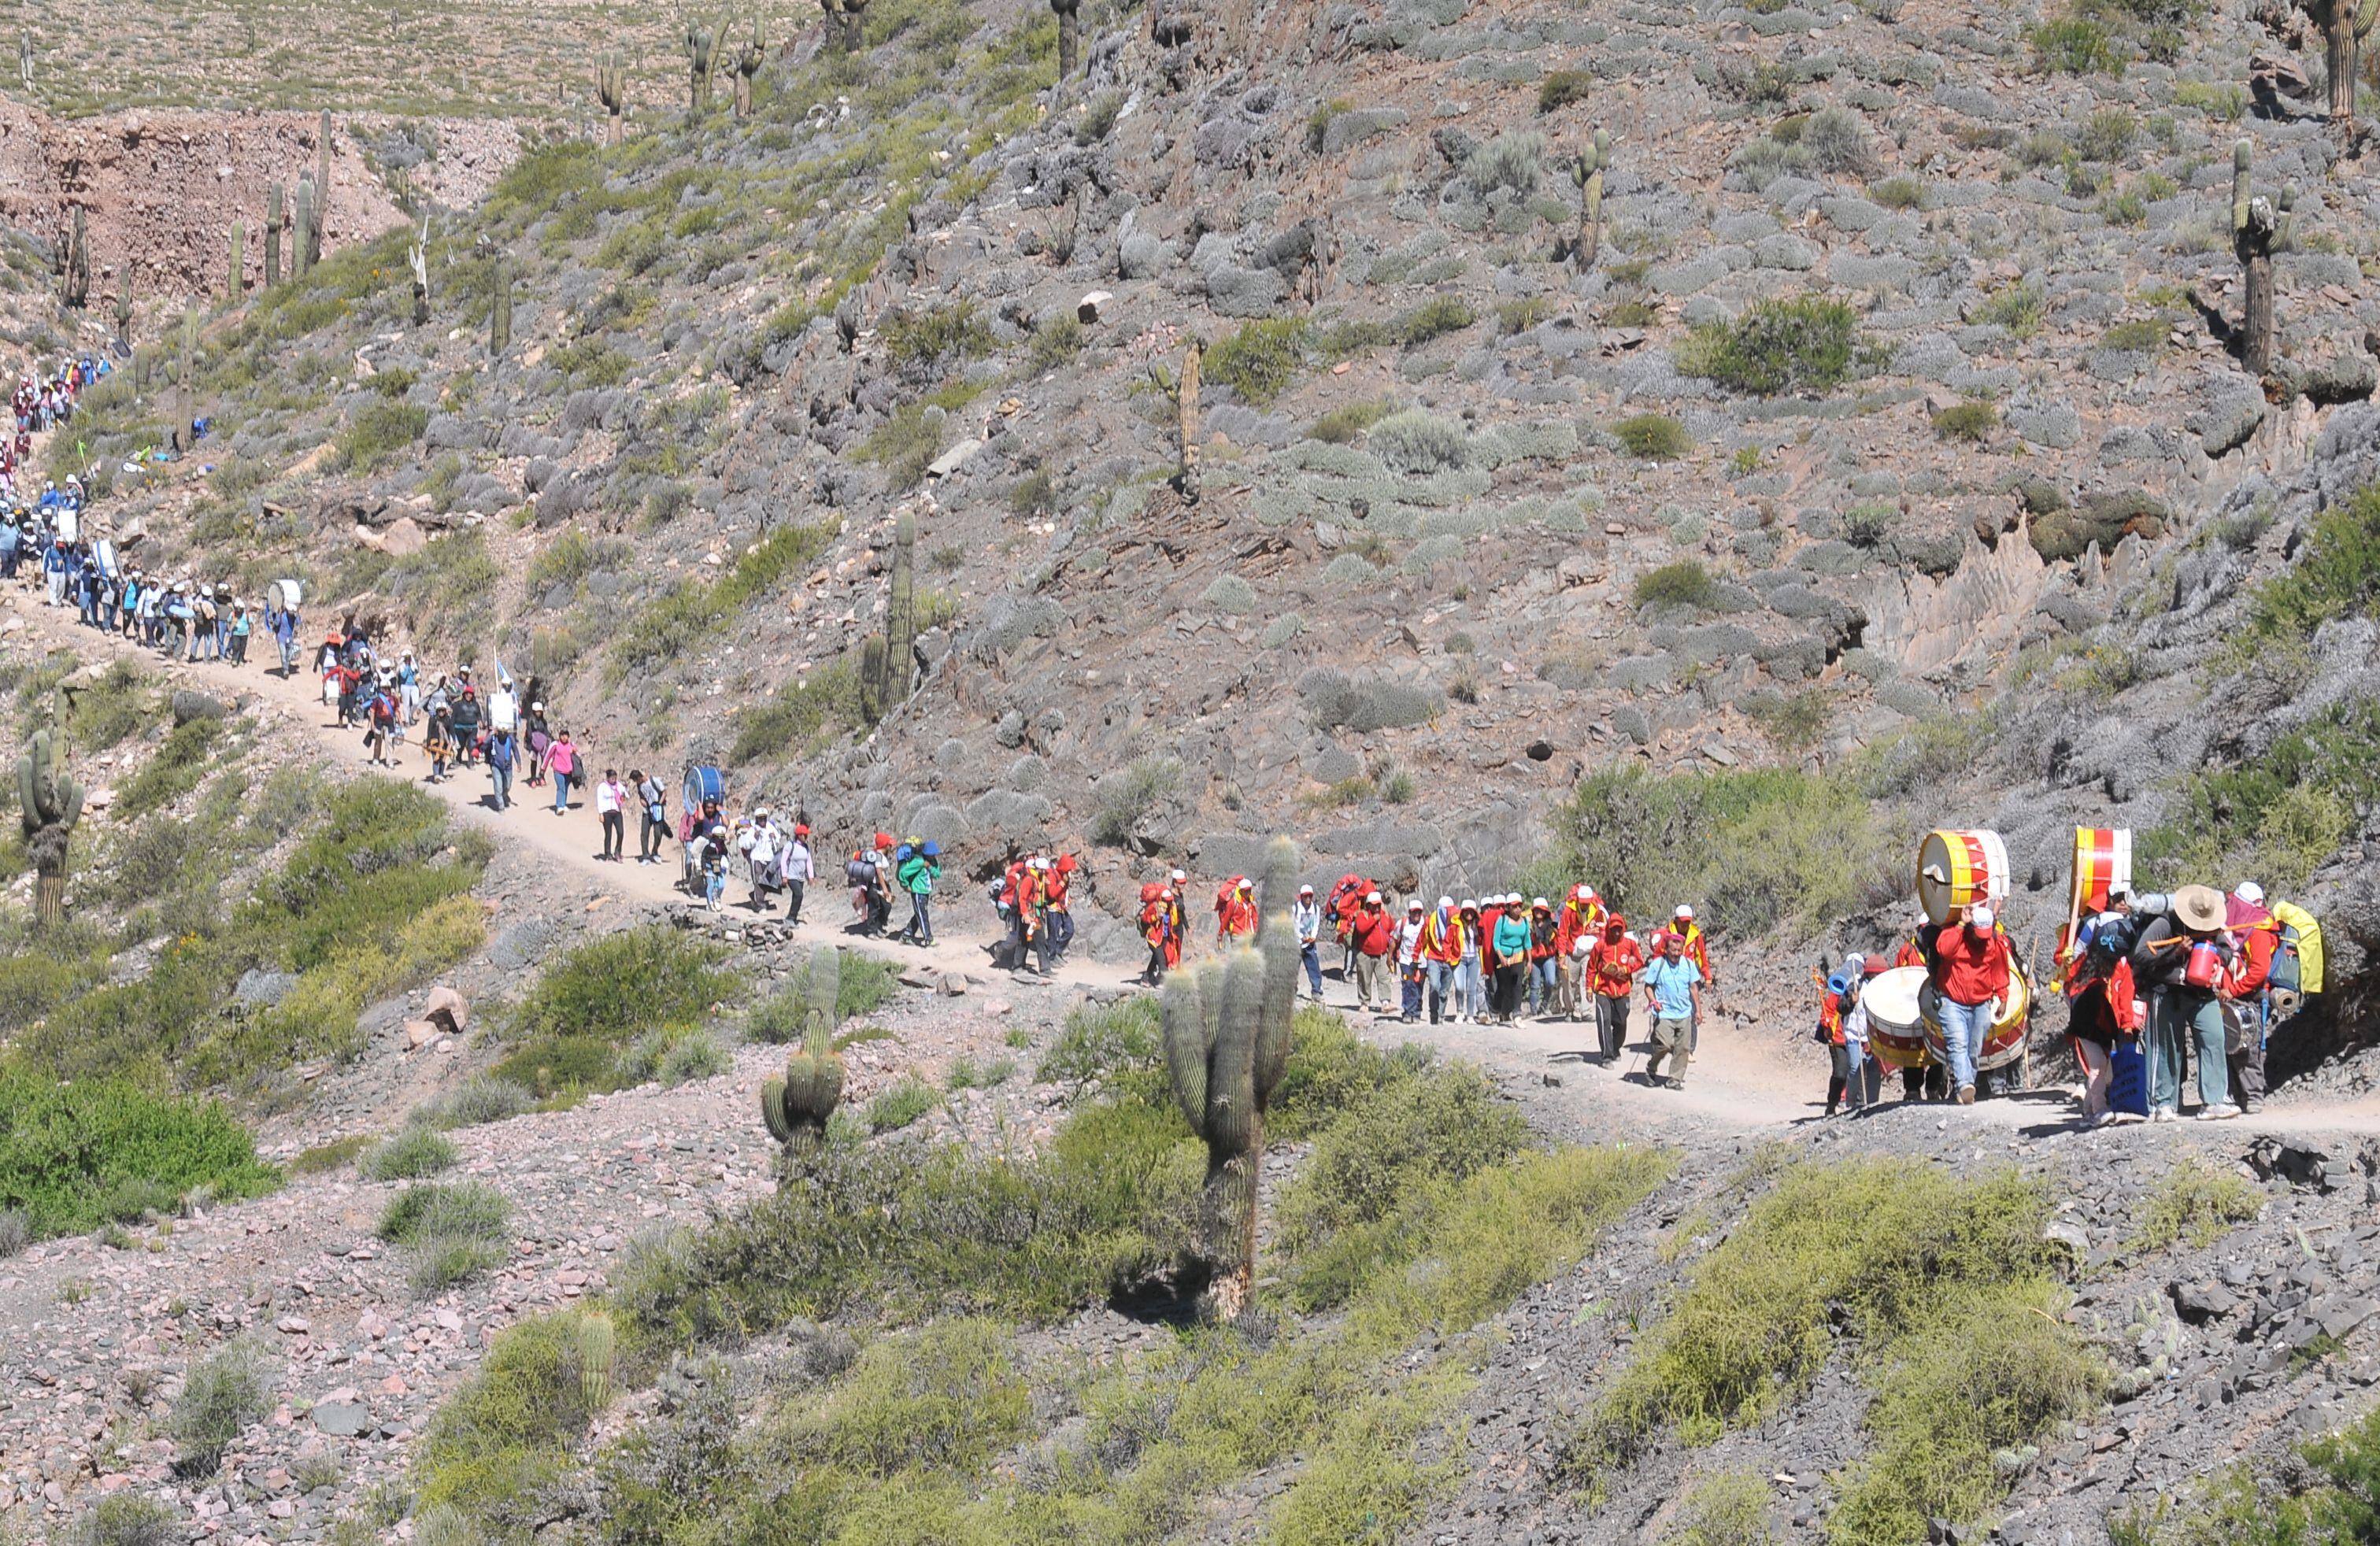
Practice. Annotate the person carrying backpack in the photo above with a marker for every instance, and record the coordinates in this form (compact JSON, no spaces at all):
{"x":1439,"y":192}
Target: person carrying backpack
{"x":2247,"y":992}
{"x":1374,"y":934}
{"x":499,"y":767}
{"x":1612,"y":966}
{"x":652,"y":804}
{"x":918,"y":874}
{"x":379,"y":717}
{"x":2178,"y":964}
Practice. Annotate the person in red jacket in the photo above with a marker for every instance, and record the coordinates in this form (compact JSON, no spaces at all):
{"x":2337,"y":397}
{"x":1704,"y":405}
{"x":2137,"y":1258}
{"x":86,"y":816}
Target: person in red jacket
{"x":2259,"y":937}
{"x":1580,"y":920}
{"x":1235,"y":912}
{"x":1441,"y":948}
{"x":1156,"y":932}
{"x":1971,"y":972}
{"x":1913,"y":949}
{"x":1374,"y":934}
{"x":1544,"y":956}
{"x":1612,"y":963}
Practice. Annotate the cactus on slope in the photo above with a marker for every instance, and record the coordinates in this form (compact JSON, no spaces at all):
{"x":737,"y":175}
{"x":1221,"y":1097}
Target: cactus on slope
{"x":748,"y":60}
{"x":2345,"y":25}
{"x":1069,"y":35}
{"x":1587,"y":171}
{"x":273,"y":199}
{"x":2257,"y":228}
{"x":797,"y":1106}
{"x":49,"y":804}
{"x":598,"y":1342}
{"x":1227,"y":1037}
{"x":612,"y":91}
{"x":302,"y":222}
{"x":77,"y":287}
{"x":1187,"y":399}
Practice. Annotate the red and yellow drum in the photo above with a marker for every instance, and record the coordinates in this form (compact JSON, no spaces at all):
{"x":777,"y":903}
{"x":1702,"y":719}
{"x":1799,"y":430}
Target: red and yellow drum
{"x":1958,"y":868}
{"x":1896,"y":1030}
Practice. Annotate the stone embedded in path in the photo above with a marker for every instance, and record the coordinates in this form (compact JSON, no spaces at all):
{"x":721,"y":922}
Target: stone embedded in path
{"x":343,"y":1420}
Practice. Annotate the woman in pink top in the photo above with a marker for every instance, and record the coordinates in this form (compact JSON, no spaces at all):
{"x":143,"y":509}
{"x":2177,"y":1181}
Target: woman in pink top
{"x":562,"y":761}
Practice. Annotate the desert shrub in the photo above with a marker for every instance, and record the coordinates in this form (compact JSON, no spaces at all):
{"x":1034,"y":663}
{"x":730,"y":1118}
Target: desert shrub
{"x":1229,"y":593}
{"x":222,"y":1394}
{"x":377,"y":431}
{"x":2021,"y":308}
{"x":1410,"y":1137}
{"x":1434,"y":318}
{"x":1795,"y":723}
{"x":2109,"y":135}
{"x":2194,"y":1202}
{"x":414,"y":1153}
{"x":696,"y":1055}
{"x":1871,"y":1249}
{"x":1103,"y":1042}
{"x":67,"y":1150}
{"x":2337,"y":573}
{"x":863,"y":984}
{"x":1561,"y":88}
{"x":332,"y":1154}
{"x":1099,"y":117}
{"x":1835,"y":140}
{"x":1752,"y":851}
{"x":802,"y":715}
{"x":180,"y":765}
{"x":968,"y":1074}
{"x":2076,"y":45}
{"x":1654,"y":436}
{"x":1510,"y":160}
{"x":1054,"y":344}
{"x":126,"y":1519}
{"x":605,"y":994}
{"x":1364,"y":704}
{"x":452,"y":1232}
{"x":1341,"y":425}
{"x":1126,"y":796}
{"x":100,"y":713}
{"x":504,"y":1435}
{"x":900,"y":1104}
{"x":1260,"y":360}
{"x":482,"y":1098}
{"x":1728,"y":1509}
{"x":15,"y":1232}
{"x":665,"y":628}
{"x":1899,"y":193}
{"x":2281,"y":815}
{"x":948,"y":1398}
{"x":1973,"y":421}
{"x":1683,"y":583}
{"x":1417,"y":442}
{"x":1777,"y":347}
{"x":928,"y":342}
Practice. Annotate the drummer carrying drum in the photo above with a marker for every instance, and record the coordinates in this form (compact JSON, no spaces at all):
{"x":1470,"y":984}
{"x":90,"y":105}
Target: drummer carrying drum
{"x":1971,"y":972}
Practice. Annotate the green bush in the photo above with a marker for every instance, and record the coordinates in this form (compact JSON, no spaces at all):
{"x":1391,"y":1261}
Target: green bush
{"x":1364,"y":704}
{"x":482,"y":1098}
{"x":66,"y":1149}
{"x":417,"y":1214}
{"x":2076,"y":45}
{"x":2337,"y":573}
{"x":1055,"y":342}
{"x":222,"y":1394}
{"x":1683,"y":583}
{"x":930,"y":343}
{"x":1561,"y":88}
{"x":505,"y":1435}
{"x":1874,"y":1249}
{"x":1510,"y":160}
{"x":1728,"y":1509}
{"x":863,"y":984}
{"x":1752,"y":851}
{"x":1103,"y":1041}
{"x":1972,"y":421}
{"x":1126,"y":796}
{"x":126,"y":1519}
{"x":666,"y":628}
{"x":378,"y":432}
{"x":413,"y":1153}
{"x":1808,"y":344}
{"x":2021,"y":308}
{"x":2194,"y":1202}
{"x":2281,"y":815}
{"x":2109,"y":134}
{"x":1260,"y":360}
{"x":1433,"y":318}
{"x":1653,"y":437}
{"x":1418,"y":442}
{"x":802,"y":716}
{"x":949,"y":1397}
{"x":100,"y":713}
{"x":899,"y":1104}
{"x":180,"y":764}
{"x":1899,"y":193}
{"x":605,"y":994}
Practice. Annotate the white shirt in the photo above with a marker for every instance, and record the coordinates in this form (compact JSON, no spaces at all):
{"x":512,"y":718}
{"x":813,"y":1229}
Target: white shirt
{"x":1409,"y":939}
{"x":796,"y":862}
{"x":609,"y":796}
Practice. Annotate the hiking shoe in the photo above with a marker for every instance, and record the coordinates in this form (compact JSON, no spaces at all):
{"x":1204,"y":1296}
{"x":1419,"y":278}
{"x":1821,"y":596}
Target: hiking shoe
{"x":2223,"y":1113}
{"x":2105,"y":1120}
{"x":1673,"y":1084}
{"x":1966,"y":1095}
{"x":2164,"y":1114}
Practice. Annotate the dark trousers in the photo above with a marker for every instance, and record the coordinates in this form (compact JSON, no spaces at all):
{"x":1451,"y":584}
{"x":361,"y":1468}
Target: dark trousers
{"x":794,"y":889}
{"x":2247,"y":1066}
{"x":1611,"y":1025}
{"x":1510,"y":979}
{"x":615,"y":834}
{"x":1413,"y":979}
{"x":921,"y":919}
{"x":648,"y":841}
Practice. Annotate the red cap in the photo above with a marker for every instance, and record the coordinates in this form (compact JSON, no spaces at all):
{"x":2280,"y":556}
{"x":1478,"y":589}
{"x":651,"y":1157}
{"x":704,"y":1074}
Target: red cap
{"x":800,"y":830}
{"x":884,"y":840}
{"x":1066,"y":864}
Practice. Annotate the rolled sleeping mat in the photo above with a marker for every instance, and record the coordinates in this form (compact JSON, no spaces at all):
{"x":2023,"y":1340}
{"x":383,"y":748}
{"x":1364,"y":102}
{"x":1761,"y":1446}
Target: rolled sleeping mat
{"x":1959,"y":869}
{"x":1895,"y":1029}
{"x":2005,"y":1043}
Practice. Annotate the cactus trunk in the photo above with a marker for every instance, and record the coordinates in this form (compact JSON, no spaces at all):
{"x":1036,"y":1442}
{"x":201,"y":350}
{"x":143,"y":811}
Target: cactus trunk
{"x":301,"y":227}
{"x":1069,"y":35}
{"x":2257,"y":227}
{"x":2256,"y":348}
{"x":321,"y":190}
{"x":75,"y":291}
{"x":1227,"y":1035}
{"x":273,"y":236}
{"x":1189,"y":404}
{"x":238,"y":263}
{"x":49,"y":802}
{"x":500,"y":310}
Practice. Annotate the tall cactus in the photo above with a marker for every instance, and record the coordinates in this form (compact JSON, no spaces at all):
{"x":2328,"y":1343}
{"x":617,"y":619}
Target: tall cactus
{"x":854,"y":25}
{"x":416,"y":258}
{"x":500,"y":308}
{"x":1186,"y":396}
{"x":612,"y":91}
{"x":2345,"y":25}
{"x":76,"y":290}
{"x":302,"y":219}
{"x":1070,"y":35}
{"x":1587,"y":171}
{"x":2257,"y":227}
{"x":748,"y":60}
{"x":238,"y":285}
{"x":273,"y":235}
{"x":833,"y":41}
{"x":321,"y":189}
{"x":797,"y":1106}
{"x":1227,"y":1034}
{"x":49,"y":804}
{"x":702,"y":46}
{"x":123,"y":312}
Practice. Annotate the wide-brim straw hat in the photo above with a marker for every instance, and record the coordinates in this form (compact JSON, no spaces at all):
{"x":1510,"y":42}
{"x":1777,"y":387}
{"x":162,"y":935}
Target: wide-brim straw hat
{"x":2200,"y":908}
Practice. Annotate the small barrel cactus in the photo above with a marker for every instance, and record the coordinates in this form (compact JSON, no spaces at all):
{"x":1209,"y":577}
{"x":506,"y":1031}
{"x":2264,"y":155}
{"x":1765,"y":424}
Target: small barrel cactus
{"x":797,"y":1106}
{"x":596,"y":1359}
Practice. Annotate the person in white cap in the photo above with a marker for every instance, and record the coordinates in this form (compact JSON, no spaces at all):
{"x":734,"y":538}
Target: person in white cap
{"x":1470,"y":979}
{"x":2247,"y":992}
{"x":1412,"y":966}
{"x":1971,"y":974}
{"x":1374,"y":937}
{"x":1441,"y":952}
{"x":1306,"y":917}
{"x":1545,"y":957}
{"x":1177,"y":886}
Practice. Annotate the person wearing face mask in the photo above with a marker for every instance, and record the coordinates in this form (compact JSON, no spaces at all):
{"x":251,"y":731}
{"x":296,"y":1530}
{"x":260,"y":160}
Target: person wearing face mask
{"x":1971,"y":974}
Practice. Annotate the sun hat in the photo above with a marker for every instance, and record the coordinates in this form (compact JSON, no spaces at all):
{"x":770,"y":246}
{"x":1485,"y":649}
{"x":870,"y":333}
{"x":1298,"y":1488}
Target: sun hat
{"x":2200,"y":908}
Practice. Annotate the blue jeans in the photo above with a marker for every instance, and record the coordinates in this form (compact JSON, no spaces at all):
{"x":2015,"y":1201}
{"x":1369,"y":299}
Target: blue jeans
{"x":502,"y":777}
{"x":223,"y":637}
{"x":561,"y":793}
{"x":1470,"y":988}
{"x":1964,"y":1026}
{"x":288,"y":653}
{"x":1412,"y":977}
{"x":1310,"y":953}
{"x":1441,"y":984}
{"x":1545,"y":981}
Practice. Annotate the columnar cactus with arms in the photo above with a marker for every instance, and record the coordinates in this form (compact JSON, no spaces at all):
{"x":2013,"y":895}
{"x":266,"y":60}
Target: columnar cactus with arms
{"x":49,"y":804}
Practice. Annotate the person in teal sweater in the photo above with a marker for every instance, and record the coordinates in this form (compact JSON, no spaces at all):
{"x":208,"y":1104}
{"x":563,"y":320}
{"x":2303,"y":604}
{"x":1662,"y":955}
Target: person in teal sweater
{"x":1510,"y":951}
{"x":917,"y":875}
